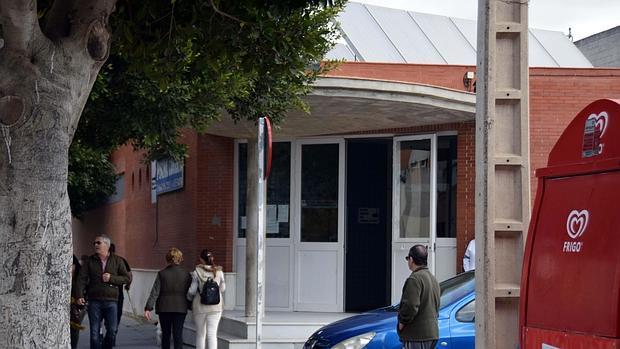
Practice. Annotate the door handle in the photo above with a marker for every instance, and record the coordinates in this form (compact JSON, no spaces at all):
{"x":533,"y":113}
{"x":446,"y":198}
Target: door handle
{"x":444,"y":344}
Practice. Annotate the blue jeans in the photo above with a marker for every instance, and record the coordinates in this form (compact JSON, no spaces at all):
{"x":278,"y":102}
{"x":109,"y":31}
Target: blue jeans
{"x":106,"y":311}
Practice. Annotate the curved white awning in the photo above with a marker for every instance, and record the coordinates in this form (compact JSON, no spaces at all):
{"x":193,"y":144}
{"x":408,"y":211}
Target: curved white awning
{"x":341,"y":105}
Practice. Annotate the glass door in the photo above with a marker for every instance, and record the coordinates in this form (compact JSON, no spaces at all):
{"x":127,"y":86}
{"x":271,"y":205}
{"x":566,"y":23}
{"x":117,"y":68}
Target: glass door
{"x":414,"y":203}
{"x":319,"y":225}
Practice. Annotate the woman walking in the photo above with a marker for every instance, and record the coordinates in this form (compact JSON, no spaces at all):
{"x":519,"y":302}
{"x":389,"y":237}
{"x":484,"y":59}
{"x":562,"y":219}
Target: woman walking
{"x":206,"y":317}
{"x":168,"y":296}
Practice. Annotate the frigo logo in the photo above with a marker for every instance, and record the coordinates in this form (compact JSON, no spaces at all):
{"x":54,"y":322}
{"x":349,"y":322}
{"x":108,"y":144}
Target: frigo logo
{"x":576,"y":224}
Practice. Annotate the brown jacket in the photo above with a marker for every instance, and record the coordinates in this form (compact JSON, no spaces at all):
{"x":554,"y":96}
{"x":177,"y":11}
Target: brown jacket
{"x":419,"y":307}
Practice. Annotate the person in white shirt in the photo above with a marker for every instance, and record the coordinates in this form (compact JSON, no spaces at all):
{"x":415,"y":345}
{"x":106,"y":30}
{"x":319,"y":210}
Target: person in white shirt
{"x":469,"y":260}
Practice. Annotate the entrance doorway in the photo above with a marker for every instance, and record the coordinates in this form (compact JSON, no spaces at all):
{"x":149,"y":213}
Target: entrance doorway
{"x":368,"y":224}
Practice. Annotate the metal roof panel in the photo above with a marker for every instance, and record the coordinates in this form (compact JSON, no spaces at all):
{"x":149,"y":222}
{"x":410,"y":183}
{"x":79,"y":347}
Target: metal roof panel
{"x":406,"y":35}
{"x":446,"y":37}
{"x":364,"y":34}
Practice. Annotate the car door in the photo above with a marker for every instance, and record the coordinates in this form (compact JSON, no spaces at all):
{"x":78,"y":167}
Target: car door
{"x":462,"y":325}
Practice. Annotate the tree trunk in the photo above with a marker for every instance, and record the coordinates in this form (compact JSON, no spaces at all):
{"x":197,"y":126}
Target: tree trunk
{"x":44,"y":86}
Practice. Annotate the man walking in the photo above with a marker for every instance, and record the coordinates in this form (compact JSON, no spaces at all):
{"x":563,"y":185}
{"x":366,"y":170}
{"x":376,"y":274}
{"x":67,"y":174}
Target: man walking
{"x":419,"y":305}
{"x":101,"y":274}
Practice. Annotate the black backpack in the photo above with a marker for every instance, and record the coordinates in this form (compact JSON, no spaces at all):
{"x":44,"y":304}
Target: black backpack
{"x":210,"y":293}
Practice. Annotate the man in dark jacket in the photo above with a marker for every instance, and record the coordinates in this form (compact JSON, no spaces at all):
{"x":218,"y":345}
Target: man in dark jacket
{"x":100,"y":276}
{"x":419,"y":305}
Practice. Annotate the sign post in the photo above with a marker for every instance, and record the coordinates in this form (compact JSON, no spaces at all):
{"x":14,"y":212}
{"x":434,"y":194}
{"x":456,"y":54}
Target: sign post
{"x":264,"y":167}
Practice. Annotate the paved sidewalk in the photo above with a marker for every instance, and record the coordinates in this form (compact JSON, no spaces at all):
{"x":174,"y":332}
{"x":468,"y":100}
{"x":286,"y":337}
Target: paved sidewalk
{"x":131,"y":334}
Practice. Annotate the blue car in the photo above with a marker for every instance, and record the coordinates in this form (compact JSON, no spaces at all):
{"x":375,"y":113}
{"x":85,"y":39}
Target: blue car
{"x":377,"y":329}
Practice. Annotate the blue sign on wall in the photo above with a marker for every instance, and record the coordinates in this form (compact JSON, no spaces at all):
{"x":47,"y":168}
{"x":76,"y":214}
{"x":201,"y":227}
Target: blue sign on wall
{"x":168,"y":176}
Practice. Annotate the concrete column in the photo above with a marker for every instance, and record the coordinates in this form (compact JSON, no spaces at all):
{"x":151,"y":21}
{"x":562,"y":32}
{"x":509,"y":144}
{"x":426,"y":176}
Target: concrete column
{"x":502,"y":169}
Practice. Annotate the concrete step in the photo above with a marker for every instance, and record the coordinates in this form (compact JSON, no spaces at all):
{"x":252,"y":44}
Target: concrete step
{"x":280,"y":330}
{"x":272,"y":330}
{"x":226,"y":341}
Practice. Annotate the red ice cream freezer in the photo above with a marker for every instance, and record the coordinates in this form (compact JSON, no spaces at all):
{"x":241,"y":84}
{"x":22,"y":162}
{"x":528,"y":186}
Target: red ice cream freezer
{"x":570,"y":286}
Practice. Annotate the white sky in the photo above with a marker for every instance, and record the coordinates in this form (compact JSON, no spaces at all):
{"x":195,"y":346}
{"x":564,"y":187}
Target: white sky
{"x":585,"y":17}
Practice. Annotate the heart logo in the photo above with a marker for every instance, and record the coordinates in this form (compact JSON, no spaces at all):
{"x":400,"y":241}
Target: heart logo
{"x":600,"y":121}
{"x":577,"y":222}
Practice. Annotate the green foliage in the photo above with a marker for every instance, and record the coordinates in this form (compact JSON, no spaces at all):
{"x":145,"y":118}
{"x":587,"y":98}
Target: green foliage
{"x":91,"y":178}
{"x":177,"y":64}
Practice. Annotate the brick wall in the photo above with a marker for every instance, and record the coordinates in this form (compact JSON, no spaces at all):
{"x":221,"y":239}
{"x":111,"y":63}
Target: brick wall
{"x":215,"y":198}
{"x":449,"y":76}
{"x":143,"y":231}
{"x":556,"y":96}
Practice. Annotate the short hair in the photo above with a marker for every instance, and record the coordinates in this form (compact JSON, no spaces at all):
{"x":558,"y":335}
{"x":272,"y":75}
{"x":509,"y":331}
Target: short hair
{"x":174,"y":256}
{"x":106,"y":239}
{"x":419,"y":254}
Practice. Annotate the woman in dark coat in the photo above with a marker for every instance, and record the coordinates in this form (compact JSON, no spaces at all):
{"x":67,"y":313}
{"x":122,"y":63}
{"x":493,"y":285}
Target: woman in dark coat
{"x":168,"y":297}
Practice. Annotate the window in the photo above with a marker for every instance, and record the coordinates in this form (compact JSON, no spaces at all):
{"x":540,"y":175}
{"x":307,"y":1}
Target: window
{"x":467,"y":313}
{"x":278,"y":191}
{"x":446,"y":186}
{"x":415,"y":181}
{"x":319,"y":192}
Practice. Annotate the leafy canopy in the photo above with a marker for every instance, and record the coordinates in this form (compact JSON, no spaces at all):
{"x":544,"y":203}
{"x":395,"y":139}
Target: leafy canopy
{"x":182,"y":63}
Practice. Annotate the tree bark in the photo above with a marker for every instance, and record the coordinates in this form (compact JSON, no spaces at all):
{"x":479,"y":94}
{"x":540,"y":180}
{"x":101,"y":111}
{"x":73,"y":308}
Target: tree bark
{"x":44,"y":86}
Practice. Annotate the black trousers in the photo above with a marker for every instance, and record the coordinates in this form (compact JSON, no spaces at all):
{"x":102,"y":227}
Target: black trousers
{"x":420,"y":345}
{"x":171,"y":322}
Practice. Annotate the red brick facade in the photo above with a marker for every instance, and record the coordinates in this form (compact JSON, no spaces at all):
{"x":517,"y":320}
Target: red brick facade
{"x":201,"y":214}
{"x":195,"y":217}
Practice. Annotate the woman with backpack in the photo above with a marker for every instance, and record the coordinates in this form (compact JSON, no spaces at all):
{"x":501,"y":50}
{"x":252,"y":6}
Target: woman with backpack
{"x":205,"y":293}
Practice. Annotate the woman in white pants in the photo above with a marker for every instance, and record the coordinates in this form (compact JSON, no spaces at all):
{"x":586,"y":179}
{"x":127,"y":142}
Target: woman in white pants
{"x":206,"y":317}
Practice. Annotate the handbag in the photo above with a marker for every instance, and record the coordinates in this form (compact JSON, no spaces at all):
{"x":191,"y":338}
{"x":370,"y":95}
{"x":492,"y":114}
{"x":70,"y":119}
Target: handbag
{"x":76,"y":315}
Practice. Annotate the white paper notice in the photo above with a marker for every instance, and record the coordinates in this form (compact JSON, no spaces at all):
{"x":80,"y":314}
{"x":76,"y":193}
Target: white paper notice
{"x":283,"y":213}
{"x":272,"y":219}
{"x":243,"y":222}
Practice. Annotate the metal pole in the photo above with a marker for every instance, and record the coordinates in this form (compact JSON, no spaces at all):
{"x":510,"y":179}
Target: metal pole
{"x":260,"y":236}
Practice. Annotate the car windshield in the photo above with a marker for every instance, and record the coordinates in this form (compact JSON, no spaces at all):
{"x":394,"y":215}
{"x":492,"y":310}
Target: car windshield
{"x":451,"y":290}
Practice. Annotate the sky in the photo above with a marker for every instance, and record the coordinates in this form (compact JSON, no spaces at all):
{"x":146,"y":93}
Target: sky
{"x":585,"y":17}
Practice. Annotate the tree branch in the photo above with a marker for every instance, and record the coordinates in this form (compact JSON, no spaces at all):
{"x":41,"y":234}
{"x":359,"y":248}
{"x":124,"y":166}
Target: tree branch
{"x":20,"y":26}
{"x":57,"y":21}
{"x":90,"y":25}
{"x":224,"y":14}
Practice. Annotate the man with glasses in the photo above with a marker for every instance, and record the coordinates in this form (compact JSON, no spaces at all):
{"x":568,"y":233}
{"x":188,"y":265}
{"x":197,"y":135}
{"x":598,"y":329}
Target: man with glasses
{"x":100,"y":276}
{"x":419,"y":305}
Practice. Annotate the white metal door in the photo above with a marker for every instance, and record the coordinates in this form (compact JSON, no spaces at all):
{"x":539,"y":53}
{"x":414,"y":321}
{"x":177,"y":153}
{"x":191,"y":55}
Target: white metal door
{"x":319,"y":225}
{"x":414,"y":203}
{"x":445,"y":257}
